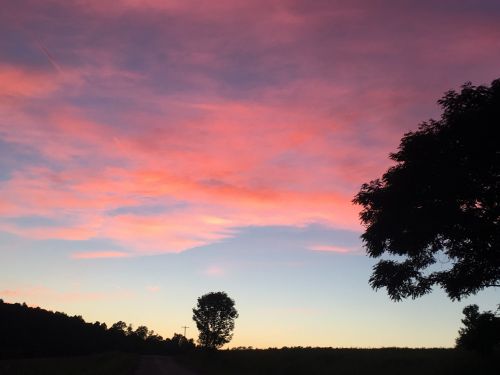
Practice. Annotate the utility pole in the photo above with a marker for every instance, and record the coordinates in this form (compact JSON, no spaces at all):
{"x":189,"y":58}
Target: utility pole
{"x":185,"y":327}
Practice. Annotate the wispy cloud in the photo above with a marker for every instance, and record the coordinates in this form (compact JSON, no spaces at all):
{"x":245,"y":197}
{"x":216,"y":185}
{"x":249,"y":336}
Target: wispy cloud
{"x":99,"y":255}
{"x":214,"y":271}
{"x":333,"y":249}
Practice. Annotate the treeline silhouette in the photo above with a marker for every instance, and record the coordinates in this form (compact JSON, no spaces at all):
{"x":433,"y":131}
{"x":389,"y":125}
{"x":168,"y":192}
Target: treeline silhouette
{"x":33,"y":332}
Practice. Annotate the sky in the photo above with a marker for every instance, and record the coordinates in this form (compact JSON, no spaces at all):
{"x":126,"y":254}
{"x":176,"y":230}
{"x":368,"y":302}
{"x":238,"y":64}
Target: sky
{"x":153,"y":151}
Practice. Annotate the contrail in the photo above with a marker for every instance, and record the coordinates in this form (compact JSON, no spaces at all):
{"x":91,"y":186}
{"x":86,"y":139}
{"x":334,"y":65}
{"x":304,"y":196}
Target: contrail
{"x":49,"y":57}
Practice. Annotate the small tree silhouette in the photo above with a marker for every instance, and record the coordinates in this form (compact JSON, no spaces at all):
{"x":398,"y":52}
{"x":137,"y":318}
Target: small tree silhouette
{"x":481,"y":331}
{"x":214,"y":317}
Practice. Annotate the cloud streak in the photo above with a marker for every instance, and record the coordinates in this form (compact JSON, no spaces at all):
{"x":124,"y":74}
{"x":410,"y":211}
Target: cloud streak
{"x":331,"y":248}
{"x":99,"y":255}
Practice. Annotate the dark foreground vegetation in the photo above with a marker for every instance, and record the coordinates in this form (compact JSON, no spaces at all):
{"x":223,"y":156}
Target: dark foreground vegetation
{"x":97,"y":364}
{"x":287,"y":361}
{"x":340,"y":361}
{"x":34,"y":332}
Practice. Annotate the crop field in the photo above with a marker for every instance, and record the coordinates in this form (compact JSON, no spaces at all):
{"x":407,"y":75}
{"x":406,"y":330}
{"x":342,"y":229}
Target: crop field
{"x":289,"y":361}
{"x":341,"y":362}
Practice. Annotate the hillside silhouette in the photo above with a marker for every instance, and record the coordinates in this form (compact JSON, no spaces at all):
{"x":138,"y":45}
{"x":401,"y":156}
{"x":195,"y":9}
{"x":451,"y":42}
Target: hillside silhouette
{"x":35,"y":332}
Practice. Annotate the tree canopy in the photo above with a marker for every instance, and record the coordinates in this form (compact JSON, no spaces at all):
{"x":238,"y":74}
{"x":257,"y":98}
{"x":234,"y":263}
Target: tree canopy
{"x":214,"y":316}
{"x":435,"y":214}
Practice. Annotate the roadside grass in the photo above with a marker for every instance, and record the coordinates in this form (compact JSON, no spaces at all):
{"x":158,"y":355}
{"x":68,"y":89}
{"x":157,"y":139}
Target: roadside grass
{"x":98,"y":364}
{"x":316,"y":361}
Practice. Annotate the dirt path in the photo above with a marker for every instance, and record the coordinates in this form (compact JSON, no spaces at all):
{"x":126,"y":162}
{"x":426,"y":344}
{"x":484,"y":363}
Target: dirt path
{"x":160,"y":365}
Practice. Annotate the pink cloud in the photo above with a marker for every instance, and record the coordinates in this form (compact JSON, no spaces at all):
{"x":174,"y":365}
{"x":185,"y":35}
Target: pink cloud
{"x":214,"y":271}
{"x":280,"y":132}
{"x":99,"y":255}
{"x":231,"y":185}
{"x":17,"y":82}
{"x":333,"y":249}
{"x":269,"y":163}
{"x":221,"y":191}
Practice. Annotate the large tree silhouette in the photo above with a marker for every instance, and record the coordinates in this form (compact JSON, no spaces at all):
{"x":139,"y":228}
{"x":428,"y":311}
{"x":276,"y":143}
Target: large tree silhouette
{"x":214,"y":316}
{"x":440,"y":202}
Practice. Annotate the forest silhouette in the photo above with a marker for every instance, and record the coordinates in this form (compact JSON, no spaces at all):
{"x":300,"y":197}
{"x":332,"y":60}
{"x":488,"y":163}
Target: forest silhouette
{"x":35,"y":332}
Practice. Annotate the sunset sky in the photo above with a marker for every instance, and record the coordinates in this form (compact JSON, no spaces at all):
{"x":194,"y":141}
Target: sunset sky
{"x":153,"y":151}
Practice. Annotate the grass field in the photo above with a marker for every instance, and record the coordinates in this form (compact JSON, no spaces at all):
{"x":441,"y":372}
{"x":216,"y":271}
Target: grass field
{"x":101,"y":364}
{"x":341,"y":361}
